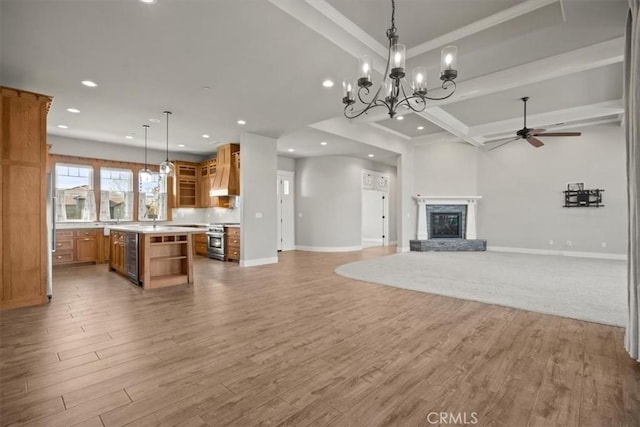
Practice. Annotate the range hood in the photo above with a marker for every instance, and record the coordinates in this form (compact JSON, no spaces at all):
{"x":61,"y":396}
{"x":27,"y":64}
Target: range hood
{"x":227,"y":178}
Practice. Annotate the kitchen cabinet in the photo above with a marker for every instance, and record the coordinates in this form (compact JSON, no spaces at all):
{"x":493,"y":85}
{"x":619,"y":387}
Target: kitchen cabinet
{"x":86,"y":246}
{"x":206,"y":178}
{"x":24,"y":250}
{"x":232,"y":243}
{"x":117,"y":252}
{"x":200,"y":244}
{"x":186,"y":185}
{"x":77,"y":246}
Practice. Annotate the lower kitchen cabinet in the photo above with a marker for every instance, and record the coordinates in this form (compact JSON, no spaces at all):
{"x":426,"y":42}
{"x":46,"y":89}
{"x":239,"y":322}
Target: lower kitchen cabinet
{"x":200,"y":244}
{"x":117,"y":252}
{"x":77,"y":246}
{"x":232,"y":244}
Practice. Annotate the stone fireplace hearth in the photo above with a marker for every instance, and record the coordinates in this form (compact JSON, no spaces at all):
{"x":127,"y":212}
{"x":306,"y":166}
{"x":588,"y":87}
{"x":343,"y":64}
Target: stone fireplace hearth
{"x":447,"y":223}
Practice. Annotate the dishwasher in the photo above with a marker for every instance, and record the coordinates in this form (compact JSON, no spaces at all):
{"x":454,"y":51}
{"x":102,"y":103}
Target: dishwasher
{"x":131,"y":261}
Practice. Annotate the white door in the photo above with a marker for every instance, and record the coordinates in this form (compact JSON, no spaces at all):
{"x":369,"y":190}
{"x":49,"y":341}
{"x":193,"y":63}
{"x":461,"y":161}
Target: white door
{"x":375,"y":218}
{"x":286,"y":227}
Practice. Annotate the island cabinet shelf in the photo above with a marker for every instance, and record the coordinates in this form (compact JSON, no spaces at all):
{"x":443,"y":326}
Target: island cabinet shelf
{"x":167,"y":260}
{"x":163,"y":259}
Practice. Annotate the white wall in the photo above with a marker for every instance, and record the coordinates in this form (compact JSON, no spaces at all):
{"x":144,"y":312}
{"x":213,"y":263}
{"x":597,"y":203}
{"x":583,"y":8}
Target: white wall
{"x":521,"y":188}
{"x":286,"y":164}
{"x":522,"y":193}
{"x":446,"y":169}
{"x":258,"y":209}
{"x":102,"y":150}
{"x":328,"y":202}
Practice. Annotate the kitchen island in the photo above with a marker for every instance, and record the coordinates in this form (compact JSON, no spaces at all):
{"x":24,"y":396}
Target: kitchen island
{"x":153,"y":257}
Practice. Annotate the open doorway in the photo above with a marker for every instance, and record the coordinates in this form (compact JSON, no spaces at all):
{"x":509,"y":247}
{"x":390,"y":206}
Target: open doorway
{"x":286,"y":225}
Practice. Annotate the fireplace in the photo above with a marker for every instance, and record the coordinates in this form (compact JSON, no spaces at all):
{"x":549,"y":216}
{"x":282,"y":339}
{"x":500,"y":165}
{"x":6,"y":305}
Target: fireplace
{"x":445,"y":225}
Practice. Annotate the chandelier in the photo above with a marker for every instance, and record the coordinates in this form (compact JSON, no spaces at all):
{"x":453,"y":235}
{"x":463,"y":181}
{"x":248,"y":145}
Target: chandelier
{"x":391,"y":94}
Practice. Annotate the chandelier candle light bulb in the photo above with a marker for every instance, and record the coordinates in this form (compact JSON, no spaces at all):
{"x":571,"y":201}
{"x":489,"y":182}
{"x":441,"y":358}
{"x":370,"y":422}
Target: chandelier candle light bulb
{"x":365,"y":71}
{"x":392,"y":94}
{"x":420,"y":81}
{"x":449,"y":63}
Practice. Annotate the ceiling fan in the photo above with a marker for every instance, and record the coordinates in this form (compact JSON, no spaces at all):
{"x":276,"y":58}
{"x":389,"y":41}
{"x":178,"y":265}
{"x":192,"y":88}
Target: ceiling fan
{"x":531,"y":134}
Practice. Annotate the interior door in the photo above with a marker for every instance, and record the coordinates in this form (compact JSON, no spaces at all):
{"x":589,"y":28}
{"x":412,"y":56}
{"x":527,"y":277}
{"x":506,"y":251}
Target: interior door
{"x":286,"y":227}
{"x":375,"y":218}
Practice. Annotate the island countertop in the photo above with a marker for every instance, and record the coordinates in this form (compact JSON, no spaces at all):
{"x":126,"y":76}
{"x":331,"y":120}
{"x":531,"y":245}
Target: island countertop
{"x":160,"y":229}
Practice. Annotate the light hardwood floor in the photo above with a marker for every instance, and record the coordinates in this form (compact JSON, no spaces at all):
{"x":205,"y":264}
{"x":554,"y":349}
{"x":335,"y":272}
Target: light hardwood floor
{"x":295,"y":344}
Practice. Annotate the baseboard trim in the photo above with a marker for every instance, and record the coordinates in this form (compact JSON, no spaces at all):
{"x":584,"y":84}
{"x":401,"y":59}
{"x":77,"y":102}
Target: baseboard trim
{"x":596,"y":255}
{"x":258,"y":261}
{"x":403,"y":249}
{"x":329,"y":248}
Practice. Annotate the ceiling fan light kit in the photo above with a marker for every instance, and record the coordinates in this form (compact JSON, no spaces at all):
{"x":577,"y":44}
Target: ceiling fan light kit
{"x":530,"y":134}
{"x":392,"y":94}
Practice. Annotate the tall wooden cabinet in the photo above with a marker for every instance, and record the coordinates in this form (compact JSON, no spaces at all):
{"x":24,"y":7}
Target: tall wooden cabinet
{"x":23,"y":203}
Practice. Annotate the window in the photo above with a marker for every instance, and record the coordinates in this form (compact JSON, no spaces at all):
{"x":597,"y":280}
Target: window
{"x":116,"y":194}
{"x":152,"y":197}
{"x":75,"y":200}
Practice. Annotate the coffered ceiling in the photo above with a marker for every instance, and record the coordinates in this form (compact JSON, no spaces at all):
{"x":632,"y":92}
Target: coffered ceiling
{"x":215,"y":62}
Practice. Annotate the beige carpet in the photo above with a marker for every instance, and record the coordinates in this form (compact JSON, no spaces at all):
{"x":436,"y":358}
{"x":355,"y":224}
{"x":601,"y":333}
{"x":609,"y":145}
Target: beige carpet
{"x":579,"y":288}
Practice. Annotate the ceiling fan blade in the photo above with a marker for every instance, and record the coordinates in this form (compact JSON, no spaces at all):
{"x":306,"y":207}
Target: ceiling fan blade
{"x":500,"y":143}
{"x":536,"y":132}
{"x":534,"y":141}
{"x":560,"y":134}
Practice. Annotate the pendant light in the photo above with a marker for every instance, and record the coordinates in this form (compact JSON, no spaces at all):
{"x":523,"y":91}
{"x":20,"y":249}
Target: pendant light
{"x":144,"y":175}
{"x":167,"y":168}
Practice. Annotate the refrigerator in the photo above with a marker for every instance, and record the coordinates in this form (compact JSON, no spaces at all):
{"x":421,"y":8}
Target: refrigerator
{"x":51,"y":232}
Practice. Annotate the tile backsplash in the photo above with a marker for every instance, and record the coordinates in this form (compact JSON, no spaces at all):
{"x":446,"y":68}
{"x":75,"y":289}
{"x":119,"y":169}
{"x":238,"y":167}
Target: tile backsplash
{"x":205,"y":215}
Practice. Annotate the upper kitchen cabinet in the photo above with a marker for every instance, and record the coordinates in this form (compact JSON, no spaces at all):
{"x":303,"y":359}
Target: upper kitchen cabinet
{"x":206,"y":177}
{"x":23,"y":203}
{"x":186,"y":185}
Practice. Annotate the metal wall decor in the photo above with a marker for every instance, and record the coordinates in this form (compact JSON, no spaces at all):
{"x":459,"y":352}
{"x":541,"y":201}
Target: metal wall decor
{"x":575,"y":196}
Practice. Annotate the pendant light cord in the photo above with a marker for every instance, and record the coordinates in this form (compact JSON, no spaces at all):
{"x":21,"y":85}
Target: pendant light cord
{"x":393,"y":14}
{"x":167,"y":114}
{"x":146,"y":127}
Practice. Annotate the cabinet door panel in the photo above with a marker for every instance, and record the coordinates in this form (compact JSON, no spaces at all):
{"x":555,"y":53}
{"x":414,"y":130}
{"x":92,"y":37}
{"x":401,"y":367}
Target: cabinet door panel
{"x":22,"y":265}
{"x":86,"y":249}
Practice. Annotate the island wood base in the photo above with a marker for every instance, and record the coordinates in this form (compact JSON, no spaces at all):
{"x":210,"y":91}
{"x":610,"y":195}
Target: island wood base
{"x":164,"y":259}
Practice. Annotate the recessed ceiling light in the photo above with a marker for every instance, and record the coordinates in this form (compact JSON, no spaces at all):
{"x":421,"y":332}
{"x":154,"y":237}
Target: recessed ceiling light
{"x":420,"y":127}
{"x":323,"y":143}
{"x":154,"y":120}
{"x":181,"y":145}
{"x":89,"y":83}
{"x":327,"y":83}
{"x":400,"y":118}
{"x":291,"y":150}
{"x":242,"y":122}
{"x":204,"y":135}
{"x":370,"y":155}
{"x":129,"y":136}
{"x":63,"y":126}
{"x":148,"y":1}
{"x":73,"y":110}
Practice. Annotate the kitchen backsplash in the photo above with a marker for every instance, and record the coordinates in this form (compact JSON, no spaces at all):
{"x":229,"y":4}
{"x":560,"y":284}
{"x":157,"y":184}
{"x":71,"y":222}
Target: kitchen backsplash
{"x":208,"y":215}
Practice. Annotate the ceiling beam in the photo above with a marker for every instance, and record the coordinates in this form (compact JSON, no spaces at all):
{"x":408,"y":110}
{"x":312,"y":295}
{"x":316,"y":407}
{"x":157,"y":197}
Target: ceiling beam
{"x":575,"y":61}
{"x":389,"y":130}
{"x":481,"y":25}
{"x":449,"y":123}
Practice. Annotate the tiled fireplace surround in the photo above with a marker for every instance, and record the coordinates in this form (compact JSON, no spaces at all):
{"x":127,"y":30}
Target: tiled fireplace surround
{"x":466,"y":205}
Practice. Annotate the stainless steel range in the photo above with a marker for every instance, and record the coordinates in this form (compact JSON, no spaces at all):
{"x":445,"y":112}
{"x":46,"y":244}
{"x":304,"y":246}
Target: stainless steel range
{"x":215,"y":241}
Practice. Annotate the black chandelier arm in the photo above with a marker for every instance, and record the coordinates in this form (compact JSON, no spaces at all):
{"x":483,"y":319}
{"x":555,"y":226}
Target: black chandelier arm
{"x":366,"y":92}
{"x":373,"y":104}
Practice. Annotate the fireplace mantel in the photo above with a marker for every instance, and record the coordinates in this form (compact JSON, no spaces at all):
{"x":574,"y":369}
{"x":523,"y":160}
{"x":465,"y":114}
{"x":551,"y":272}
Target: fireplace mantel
{"x":469,"y":201}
